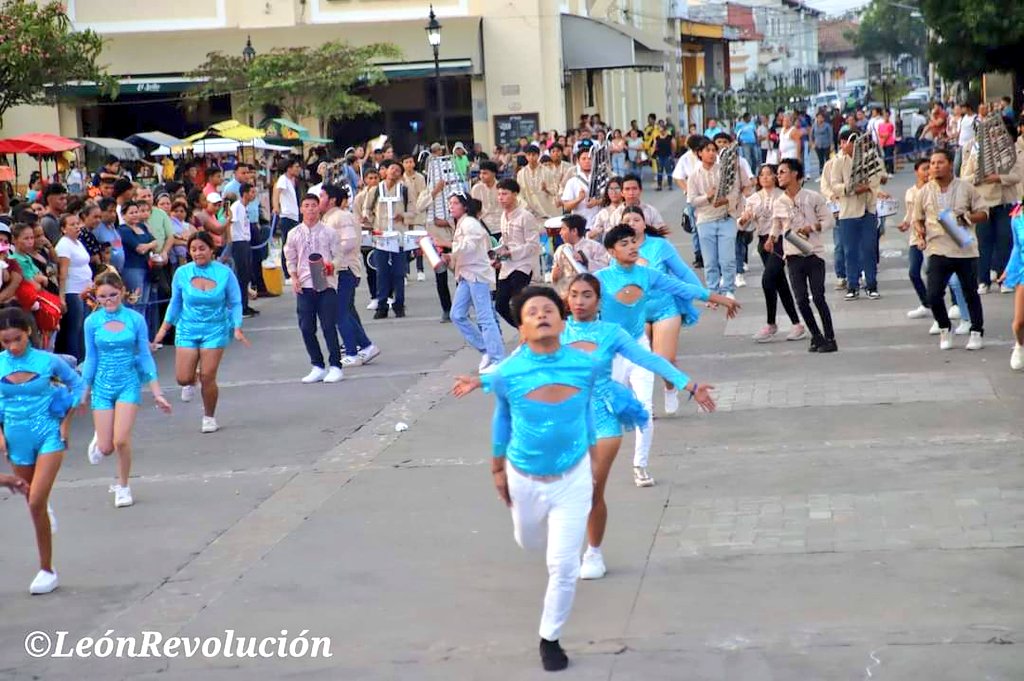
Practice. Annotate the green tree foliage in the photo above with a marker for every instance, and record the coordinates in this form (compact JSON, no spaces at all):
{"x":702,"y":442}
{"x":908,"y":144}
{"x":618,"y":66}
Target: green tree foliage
{"x":886,"y":28}
{"x":40,"y":53}
{"x":973,"y":37}
{"x":301,"y":81}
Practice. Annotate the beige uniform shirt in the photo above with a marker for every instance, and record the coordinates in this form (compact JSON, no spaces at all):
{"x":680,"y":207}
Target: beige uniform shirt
{"x":850,"y":205}
{"x":539,"y":188}
{"x":807,"y":208}
{"x":490,"y":214}
{"x":414,"y":185}
{"x":699,"y":184}
{"x":470,"y":245}
{"x":651,"y":216}
{"x":760,"y":207}
{"x":960,"y":197}
{"x":375,"y":209}
{"x":908,"y":202}
{"x":602,"y":223}
{"x":350,"y":238}
{"x":520,"y":233}
{"x":596,"y":255}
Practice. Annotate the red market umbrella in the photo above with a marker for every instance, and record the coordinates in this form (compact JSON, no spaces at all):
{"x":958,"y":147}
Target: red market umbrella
{"x":37,"y":144}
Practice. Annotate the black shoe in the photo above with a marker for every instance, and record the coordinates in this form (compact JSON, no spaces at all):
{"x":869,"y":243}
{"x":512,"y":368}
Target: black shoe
{"x":249,"y":313}
{"x":873,"y":294}
{"x":446,"y":318}
{"x":552,"y":657}
{"x":852,"y":295}
{"x":828,"y":346}
{"x":698,"y":262}
{"x":399,"y":311}
{"x":817,"y":342}
{"x":381,"y":313}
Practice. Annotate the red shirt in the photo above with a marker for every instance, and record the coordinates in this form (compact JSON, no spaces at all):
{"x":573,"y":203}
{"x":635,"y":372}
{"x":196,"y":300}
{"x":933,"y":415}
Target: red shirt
{"x":887,"y":134}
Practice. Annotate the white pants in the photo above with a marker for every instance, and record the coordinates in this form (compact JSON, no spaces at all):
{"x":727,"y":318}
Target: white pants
{"x":554,"y":514}
{"x":642,"y":382}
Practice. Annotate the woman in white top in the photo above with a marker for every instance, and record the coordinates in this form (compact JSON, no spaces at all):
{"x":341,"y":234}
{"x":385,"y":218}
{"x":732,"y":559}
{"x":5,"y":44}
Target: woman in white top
{"x":757,"y":215}
{"x":75,"y":276}
{"x":789,"y":139}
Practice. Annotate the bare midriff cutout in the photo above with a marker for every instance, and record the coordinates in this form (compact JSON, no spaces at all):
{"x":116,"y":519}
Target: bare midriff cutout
{"x":114,"y":326}
{"x":20,"y":377}
{"x":629,"y":295}
{"x":202,"y":283}
{"x":552,"y":394}
{"x":585,"y":346}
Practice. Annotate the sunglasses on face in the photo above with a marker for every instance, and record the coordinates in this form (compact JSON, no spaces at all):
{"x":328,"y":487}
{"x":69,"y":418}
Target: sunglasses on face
{"x":109,"y":296}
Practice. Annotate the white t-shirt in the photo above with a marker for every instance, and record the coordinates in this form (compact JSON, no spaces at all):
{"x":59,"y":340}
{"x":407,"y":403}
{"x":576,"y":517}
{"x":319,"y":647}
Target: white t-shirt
{"x":788,"y":147}
{"x":240,"y":222}
{"x":79,"y":272}
{"x":289,"y":202}
{"x":967,"y":130}
{"x":572,"y":190}
{"x":685,"y":166}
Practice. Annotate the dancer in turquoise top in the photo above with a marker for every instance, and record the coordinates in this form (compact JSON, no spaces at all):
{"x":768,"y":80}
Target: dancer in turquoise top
{"x":543,"y":428}
{"x":206,"y":311}
{"x":664,"y":316}
{"x":36,"y":415}
{"x":117,"y":363}
{"x":626,"y":288}
{"x":1013,"y":277}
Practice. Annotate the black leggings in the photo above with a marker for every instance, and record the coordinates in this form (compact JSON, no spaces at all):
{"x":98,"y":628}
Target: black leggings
{"x":507,"y":288}
{"x":444,"y":294}
{"x":940,"y":269}
{"x":808,"y":271}
{"x":774,"y":283}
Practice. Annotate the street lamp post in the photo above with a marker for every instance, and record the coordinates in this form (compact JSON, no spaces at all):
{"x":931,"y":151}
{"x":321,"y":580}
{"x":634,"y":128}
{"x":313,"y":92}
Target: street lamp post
{"x":248,"y":54}
{"x":434,"y":38}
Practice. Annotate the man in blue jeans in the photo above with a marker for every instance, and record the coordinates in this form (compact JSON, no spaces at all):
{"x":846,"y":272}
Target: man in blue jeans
{"x":746,"y":135}
{"x":858,"y":223}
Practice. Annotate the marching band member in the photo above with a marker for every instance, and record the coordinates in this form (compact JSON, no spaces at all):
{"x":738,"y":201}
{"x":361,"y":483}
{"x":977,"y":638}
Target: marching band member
{"x":540,"y":186}
{"x":611,"y":200}
{"x":916,"y":243}
{"x":715,"y":222}
{"x":519,"y":249}
{"x":576,"y":194}
{"x":387,"y":210}
{"x":632,"y":195}
{"x":587,"y":254}
{"x":858,"y":224}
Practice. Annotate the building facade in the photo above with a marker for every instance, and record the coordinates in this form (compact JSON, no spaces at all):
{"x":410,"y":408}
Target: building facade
{"x":507,"y":67}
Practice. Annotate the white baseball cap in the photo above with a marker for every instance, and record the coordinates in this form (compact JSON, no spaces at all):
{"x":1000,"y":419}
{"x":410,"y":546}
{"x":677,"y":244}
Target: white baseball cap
{"x":214,"y":197}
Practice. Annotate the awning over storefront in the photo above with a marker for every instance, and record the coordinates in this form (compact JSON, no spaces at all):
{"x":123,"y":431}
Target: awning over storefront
{"x":37,"y":143}
{"x":284,"y":131}
{"x":131,"y":85}
{"x":425,"y":69}
{"x":108,"y":146}
{"x":155,"y":138}
{"x":230,"y":129}
{"x":595,"y":44}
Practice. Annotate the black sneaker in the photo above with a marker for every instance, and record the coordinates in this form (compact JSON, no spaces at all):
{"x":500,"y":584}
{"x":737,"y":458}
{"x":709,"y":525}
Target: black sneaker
{"x":852,"y":295}
{"x":552,"y":657}
{"x":828,"y":346}
{"x":381,"y":313}
{"x":698,"y":262}
{"x":816,"y":344}
{"x":399,"y":311}
{"x":873,"y":294}
{"x":249,"y":313}
{"x":446,"y":318}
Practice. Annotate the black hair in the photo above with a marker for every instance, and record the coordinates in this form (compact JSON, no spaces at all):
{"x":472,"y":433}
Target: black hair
{"x":649,"y":230}
{"x":172,"y":187}
{"x":387,"y":163}
{"x":704,"y":144}
{"x":795,"y":166}
{"x":336,"y":193}
{"x":24,"y":215}
{"x":55,"y":189}
{"x":632,"y":177}
{"x":201,"y":236}
{"x":405,"y":156}
{"x":846,"y":134}
{"x":516,"y":306}
{"x":722,"y":136}
{"x":17,"y":318}
{"x":309,"y":197}
{"x":921,"y":162}
{"x":371,"y":171}
{"x":696,"y":143}
{"x":590,"y":280}
{"x":576,"y":223}
{"x":87,"y":208}
{"x":214,"y":170}
{"x":556,"y":145}
{"x":770,"y":166}
{"x":287,"y":163}
{"x":617,"y":234}
{"x":472,"y":206}
{"x":509,"y":185}
{"x":111,"y":159}
{"x":605,"y":199}
{"x":18,"y":227}
{"x":945,"y":152}
{"x":489,"y":165}
{"x":239,"y":166}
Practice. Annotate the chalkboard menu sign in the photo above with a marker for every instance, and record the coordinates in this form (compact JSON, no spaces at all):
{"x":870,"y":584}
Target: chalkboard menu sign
{"x":509,"y":128}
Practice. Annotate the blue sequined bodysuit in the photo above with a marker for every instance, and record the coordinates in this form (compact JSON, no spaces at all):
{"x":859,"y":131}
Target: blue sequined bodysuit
{"x":117,"y":357}
{"x":631,"y":317}
{"x":542,"y":438}
{"x":204,"y":319}
{"x":615,"y":406}
{"x":1015,"y":265}
{"x":662,"y":256}
{"x":30,"y":425}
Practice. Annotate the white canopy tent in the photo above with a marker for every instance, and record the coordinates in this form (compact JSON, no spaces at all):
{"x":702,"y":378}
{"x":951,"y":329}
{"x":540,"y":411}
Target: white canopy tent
{"x":220,"y":145}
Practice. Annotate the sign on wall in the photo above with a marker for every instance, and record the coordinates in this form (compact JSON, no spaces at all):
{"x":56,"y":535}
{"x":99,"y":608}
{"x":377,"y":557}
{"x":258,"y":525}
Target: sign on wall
{"x":508,"y":128}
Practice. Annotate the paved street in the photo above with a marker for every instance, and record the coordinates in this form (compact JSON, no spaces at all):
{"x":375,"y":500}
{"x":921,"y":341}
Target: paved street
{"x":843,"y":517}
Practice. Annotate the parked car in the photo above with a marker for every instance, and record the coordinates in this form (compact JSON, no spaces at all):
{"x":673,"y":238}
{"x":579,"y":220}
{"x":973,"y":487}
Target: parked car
{"x":830,"y":99}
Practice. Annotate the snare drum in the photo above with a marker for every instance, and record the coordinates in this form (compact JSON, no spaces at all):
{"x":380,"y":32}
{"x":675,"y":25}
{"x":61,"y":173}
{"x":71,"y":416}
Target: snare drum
{"x":411,"y":240}
{"x":885,"y":207}
{"x":367,"y":239}
{"x":553,"y":226}
{"x":388,"y":241}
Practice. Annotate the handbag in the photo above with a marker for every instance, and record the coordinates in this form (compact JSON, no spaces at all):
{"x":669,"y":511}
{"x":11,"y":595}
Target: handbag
{"x":773,"y":157}
{"x":686,"y":223}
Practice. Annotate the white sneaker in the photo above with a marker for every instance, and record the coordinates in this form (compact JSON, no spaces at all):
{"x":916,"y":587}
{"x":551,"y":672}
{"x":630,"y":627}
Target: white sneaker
{"x":672,"y":401}
{"x":798,"y":332}
{"x":122,"y":497}
{"x":372,"y":305}
{"x":920,"y":312}
{"x":334,"y":374}
{"x":53,"y":518}
{"x":592,"y":566}
{"x":1003,"y":288}
{"x":209,"y":425}
{"x":1017,"y":357}
{"x":730,"y":295}
{"x":954,"y":312}
{"x":351,"y":361}
{"x":369,"y":353}
{"x":934,"y":331}
{"x":982,"y":289}
{"x":975,"y":342}
{"x":945,"y":339}
{"x":188,"y":393}
{"x":962,"y":329}
{"x":740,"y":281}
{"x":315,"y":375}
{"x":420,"y":277}
{"x":766,"y":334}
{"x":484,"y":362}
{"x":44,"y":583}
{"x":641,"y":478}
{"x":95,"y":455}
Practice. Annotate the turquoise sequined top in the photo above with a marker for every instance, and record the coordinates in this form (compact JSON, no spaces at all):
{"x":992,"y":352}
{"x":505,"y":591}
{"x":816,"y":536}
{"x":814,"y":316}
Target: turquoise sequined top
{"x":196,"y":313}
{"x":663,"y":257}
{"x":542,"y":438}
{"x":112,"y":358}
{"x":28,"y":403}
{"x":610,"y":340}
{"x":631,"y":317}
